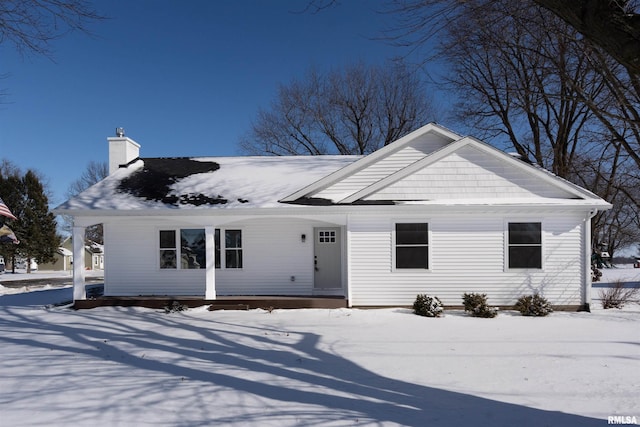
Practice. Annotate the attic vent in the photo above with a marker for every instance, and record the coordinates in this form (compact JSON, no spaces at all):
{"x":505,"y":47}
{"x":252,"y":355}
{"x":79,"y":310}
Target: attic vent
{"x":120,"y":132}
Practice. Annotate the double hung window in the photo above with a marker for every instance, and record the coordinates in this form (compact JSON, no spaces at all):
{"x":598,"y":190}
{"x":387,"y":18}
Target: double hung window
{"x":232,"y":248}
{"x":412,"y":245}
{"x":525,"y":245}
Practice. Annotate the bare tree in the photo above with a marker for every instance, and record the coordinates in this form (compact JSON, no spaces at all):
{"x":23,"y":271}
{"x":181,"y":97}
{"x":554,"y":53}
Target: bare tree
{"x":611,"y":174}
{"x":95,"y":172}
{"x":31,"y":25}
{"x":527,"y":77}
{"x":351,"y":111}
{"x":514,"y":72}
{"x":612,"y":25}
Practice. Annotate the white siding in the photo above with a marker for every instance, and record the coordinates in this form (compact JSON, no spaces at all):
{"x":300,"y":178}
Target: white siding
{"x":132,"y":266}
{"x":469,"y":172}
{"x":409,"y":154}
{"x":273,"y":252}
{"x":467,"y":254}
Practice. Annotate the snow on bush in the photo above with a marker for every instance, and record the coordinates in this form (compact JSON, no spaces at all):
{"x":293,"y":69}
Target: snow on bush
{"x":427,"y":306}
{"x":174,"y":307}
{"x":476,"y":305}
{"x":533,"y":305}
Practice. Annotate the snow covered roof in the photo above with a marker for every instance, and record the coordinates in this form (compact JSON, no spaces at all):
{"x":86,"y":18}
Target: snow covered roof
{"x":430,"y":166}
{"x":205,"y":182}
{"x":64,"y":252}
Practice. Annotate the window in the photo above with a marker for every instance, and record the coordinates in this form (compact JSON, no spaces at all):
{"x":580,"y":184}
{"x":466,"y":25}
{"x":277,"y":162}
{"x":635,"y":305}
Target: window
{"x":232,"y":248}
{"x":191,"y":252}
{"x":168,"y":250}
{"x":216,"y":239}
{"x":525,"y":245}
{"x":412,"y":245}
{"x":326,"y":236}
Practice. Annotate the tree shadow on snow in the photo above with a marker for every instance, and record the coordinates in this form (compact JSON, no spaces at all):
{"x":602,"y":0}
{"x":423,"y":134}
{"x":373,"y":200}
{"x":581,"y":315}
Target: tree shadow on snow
{"x":279,"y":376}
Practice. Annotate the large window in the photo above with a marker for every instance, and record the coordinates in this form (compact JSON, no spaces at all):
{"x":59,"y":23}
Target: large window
{"x":525,"y":245}
{"x":232,"y":248}
{"x":412,"y":245}
{"x":191,"y":250}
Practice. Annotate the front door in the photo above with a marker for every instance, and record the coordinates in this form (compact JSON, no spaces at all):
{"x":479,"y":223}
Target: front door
{"x":327,"y":258}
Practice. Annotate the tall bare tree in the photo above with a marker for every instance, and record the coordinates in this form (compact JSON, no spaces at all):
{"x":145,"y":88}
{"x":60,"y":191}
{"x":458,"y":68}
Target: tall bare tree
{"x":95,"y":171}
{"x":351,"y":111}
{"x":612,"y":25}
{"x":514,"y":67}
{"x":529,"y":79}
{"x":31,"y":25}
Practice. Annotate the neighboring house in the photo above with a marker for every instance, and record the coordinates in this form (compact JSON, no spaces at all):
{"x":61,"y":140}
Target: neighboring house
{"x":63,"y":258}
{"x":94,"y":256}
{"x":432,"y":212}
{"x":62,"y":261}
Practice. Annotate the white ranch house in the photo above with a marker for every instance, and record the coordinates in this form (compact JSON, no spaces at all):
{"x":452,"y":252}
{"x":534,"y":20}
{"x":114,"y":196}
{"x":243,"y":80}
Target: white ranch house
{"x":433,"y":212}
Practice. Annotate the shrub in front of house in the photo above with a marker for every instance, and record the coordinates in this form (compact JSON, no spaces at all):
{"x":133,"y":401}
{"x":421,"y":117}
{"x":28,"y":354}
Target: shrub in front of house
{"x":618,"y":296}
{"x":476,"y":305}
{"x":427,"y":306}
{"x":174,"y":306}
{"x":533,"y":305}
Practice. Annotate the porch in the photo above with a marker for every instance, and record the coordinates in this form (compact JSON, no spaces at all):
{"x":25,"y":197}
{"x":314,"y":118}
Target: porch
{"x":220,"y":303}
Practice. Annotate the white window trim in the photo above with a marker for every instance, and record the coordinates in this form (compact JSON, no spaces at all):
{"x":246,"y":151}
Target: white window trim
{"x":178,"y":249}
{"x":393,"y":244}
{"x":223,"y":248}
{"x":160,"y":249}
{"x":506,"y":244}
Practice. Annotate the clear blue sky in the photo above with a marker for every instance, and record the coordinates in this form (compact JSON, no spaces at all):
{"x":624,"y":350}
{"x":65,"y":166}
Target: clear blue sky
{"x":184,"y":78}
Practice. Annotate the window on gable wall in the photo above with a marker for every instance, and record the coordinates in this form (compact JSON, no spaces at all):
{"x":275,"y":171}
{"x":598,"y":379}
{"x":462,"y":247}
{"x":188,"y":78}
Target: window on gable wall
{"x":525,"y":245}
{"x":191,"y":250}
{"x":412,"y":245}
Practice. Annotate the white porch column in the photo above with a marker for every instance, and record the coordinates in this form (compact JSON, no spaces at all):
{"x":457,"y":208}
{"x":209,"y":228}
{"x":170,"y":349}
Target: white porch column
{"x":79,"y":292}
{"x":210,"y":281}
{"x":587,"y":259}
{"x":349,"y":234}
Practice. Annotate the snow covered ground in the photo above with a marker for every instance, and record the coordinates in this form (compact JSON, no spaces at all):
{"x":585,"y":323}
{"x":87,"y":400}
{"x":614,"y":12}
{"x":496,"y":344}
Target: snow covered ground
{"x":132,"y":366}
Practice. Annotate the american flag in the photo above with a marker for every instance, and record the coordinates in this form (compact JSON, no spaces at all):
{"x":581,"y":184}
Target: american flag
{"x":4,"y":210}
{"x":7,"y":235}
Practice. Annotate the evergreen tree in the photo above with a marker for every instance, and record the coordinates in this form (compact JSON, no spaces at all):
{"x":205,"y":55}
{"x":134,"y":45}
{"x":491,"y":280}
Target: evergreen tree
{"x":11,"y":190}
{"x":36,"y":225}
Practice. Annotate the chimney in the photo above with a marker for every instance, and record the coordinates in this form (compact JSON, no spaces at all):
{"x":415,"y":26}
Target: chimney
{"x":122,"y":150}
